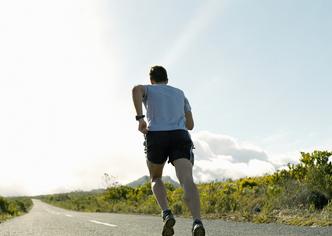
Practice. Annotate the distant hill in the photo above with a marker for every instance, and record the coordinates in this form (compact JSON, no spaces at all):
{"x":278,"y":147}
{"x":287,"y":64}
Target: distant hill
{"x":145,"y":178}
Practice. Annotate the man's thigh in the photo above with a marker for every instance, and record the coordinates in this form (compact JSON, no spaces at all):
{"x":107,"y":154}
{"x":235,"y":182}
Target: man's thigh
{"x":155,"y":170}
{"x":156,"y":147}
{"x":183,"y":168}
{"x":181,"y":146}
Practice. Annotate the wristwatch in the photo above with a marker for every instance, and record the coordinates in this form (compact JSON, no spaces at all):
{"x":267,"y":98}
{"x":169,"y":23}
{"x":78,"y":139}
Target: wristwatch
{"x":140,"y":117}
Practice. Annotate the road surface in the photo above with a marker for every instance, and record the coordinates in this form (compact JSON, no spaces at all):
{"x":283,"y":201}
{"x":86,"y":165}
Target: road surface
{"x":47,"y":220}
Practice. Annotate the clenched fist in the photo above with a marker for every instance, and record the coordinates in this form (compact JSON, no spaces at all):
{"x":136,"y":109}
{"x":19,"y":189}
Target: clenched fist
{"x":142,"y":127}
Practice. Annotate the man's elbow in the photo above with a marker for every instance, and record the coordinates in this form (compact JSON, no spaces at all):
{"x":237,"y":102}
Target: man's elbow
{"x":190,"y":126}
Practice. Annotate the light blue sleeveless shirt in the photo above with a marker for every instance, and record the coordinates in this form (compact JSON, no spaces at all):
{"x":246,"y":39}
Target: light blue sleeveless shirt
{"x":165,"y":107}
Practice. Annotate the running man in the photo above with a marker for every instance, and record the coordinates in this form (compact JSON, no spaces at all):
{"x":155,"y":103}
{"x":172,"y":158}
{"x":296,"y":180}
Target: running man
{"x":166,"y":137}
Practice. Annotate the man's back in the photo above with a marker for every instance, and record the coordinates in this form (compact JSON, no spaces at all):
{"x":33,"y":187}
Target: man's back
{"x":166,"y":107}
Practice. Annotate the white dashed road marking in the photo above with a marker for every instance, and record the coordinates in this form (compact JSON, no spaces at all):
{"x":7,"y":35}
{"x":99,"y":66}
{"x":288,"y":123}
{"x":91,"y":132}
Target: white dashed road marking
{"x":68,"y":215}
{"x":52,"y":212}
{"x":102,"y":223}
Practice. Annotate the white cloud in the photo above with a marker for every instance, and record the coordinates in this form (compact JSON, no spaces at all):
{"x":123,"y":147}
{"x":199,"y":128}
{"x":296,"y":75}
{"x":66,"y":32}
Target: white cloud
{"x":282,"y":159}
{"x":218,"y":157}
{"x":210,"y":145}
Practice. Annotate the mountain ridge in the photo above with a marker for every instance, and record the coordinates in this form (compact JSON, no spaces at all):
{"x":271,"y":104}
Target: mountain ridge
{"x":144,"y":179}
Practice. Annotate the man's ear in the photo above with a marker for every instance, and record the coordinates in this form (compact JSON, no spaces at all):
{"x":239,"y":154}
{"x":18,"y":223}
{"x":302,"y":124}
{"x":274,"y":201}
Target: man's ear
{"x":152,"y":81}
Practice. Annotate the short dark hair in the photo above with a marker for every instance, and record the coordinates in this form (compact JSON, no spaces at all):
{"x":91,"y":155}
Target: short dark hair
{"x":158,"y":74}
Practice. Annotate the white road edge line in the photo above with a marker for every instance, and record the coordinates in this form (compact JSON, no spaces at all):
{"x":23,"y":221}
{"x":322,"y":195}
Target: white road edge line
{"x":102,"y":223}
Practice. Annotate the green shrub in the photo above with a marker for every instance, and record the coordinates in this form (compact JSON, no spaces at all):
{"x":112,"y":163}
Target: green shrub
{"x":301,"y":193}
{"x":10,"y":207}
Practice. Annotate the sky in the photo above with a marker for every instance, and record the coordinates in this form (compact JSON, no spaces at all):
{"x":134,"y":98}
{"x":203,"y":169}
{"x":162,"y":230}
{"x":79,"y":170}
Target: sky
{"x":257,"y":75}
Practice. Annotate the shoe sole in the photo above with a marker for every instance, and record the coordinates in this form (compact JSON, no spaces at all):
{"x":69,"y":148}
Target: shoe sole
{"x":199,"y":231}
{"x":168,"y":227}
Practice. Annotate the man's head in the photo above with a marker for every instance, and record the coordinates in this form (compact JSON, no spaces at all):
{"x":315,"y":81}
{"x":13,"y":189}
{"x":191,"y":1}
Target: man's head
{"x":158,"y":75}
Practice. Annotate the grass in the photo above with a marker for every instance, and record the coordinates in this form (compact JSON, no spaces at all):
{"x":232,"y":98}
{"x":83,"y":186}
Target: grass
{"x":14,"y":206}
{"x":301,"y":195}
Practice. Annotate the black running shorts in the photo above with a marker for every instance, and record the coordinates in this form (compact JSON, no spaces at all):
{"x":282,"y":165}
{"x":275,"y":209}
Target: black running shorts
{"x":174,"y":144}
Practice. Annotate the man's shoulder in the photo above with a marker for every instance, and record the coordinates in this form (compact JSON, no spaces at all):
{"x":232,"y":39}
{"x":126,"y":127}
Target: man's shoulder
{"x":162,"y":87}
{"x":175,"y":88}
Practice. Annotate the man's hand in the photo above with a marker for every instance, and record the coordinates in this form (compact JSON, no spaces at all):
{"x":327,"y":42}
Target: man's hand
{"x":142,"y":127}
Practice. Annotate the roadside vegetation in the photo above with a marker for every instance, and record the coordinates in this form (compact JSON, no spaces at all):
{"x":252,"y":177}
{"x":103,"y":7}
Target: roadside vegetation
{"x":298,"y":195}
{"x":14,"y":206}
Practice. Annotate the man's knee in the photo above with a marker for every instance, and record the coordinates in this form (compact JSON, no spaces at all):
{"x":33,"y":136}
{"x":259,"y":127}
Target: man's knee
{"x":187,"y":181}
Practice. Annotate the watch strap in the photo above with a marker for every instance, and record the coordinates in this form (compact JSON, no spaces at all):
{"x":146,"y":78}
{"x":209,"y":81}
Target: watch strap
{"x":139,"y":117}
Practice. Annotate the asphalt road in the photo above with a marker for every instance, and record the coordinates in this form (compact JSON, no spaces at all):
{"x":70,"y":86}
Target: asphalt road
{"x":46,"y":220}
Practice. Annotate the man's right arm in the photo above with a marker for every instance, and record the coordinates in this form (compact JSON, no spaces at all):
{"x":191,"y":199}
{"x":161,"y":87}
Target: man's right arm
{"x":188,"y":115}
{"x":189,"y":120}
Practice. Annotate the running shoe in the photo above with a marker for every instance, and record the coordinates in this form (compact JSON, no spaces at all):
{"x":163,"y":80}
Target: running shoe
{"x":169,"y":222}
{"x":198,"y":228}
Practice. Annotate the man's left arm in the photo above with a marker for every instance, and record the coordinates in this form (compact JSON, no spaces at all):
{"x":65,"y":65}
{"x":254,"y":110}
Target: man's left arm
{"x":138,"y":94}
